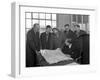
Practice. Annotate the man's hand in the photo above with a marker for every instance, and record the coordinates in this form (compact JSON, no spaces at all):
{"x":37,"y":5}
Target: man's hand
{"x":58,"y":48}
{"x":67,"y":42}
{"x":38,"y":52}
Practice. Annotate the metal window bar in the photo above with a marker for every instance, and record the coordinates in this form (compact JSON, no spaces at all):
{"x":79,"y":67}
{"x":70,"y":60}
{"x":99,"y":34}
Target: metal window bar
{"x":32,"y":13}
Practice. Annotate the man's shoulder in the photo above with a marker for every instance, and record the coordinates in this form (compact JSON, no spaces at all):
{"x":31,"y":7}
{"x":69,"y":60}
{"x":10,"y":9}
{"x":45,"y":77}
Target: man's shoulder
{"x":82,"y":32}
{"x":71,"y":31}
{"x":30,"y":32}
{"x":43,"y":34}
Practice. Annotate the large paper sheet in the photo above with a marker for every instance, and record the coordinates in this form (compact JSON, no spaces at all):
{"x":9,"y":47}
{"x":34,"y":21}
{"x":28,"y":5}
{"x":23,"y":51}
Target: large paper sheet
{"x":54,"y":56}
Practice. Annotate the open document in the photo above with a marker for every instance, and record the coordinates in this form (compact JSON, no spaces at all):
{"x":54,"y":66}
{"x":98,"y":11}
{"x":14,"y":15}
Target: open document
{"x":54,"y":56}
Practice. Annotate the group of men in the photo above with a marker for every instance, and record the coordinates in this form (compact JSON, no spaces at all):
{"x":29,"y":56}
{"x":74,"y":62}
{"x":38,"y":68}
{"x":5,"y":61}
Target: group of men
{"x":74,"y":43}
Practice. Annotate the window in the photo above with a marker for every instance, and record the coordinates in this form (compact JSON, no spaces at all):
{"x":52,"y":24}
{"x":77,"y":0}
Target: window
{"x":28,"y":15}
{"x":42,"y":23}
{"x":42,"y":18}
{"x":79,"y":20}
{"x":48,"y":16}
{"x":73,"y":18}
{"x":28,"y":23}
{"x":42,"y":15}
{"x":82,"y":20}
{"x":35,"y":15}
{"x":85,"y":19}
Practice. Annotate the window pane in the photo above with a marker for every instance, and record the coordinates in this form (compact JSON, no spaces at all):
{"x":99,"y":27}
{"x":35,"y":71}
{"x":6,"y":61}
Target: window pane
{"x":74,"y":18}
{"x":48,"y":22}
{"x":79,"y":19}
{"x":53,"y":24}
{"x":35,"y":15}
{"x":34,"y":21}
{"x":28,"y":23}
{"x":48,"y":16}
{"x":42,"y":30}
{"x":27,"y":30}
{"x":85,"y":19}
{"x":42,"y":23}
{"x":28,"y":15}
{"x":82,"y":27}
{"x":53,"y":16}
{"x":42,"y":16}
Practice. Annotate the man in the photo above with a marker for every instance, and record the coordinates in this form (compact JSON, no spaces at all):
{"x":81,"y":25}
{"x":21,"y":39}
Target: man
{"x":72,"y":49}
{"x":68,"y":32}
{"x":32,"y":46}
{"x":78,"y":32}
{"x":67,"y":47}
{"x":82,"y":44}
{"x":79,"y":38}
{"x":85,"y":52}
{"x":68,"y":35}
{"x":57,"y":39}
{"x":46,"y":38}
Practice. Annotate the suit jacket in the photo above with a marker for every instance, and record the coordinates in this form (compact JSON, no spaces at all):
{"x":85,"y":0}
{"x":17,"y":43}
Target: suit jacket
{"x":66,"y":50}
{"x":85,"y":49}
{"x":32,"y":45}
{"x":80,"y":45}
{"x":70,"y":34}
{"x":57,"y":41}
{"x":45,"y":40}
{"x":81,"y":32}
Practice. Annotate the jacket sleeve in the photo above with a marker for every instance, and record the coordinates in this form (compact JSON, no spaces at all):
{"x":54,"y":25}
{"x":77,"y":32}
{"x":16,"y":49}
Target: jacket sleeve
{"x":30,"y":40}
{"x":62,"y":40}
{"x":52,"y":42}
{"x":41,"y":40}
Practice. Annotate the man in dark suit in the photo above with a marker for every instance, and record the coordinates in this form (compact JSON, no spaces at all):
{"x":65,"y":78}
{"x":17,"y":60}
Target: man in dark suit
{"x":73,"y":49}
{"x":69,"y":37}
{"x":46,"y":38}
{"x":85,"y":52}
{"x":81,"y":43}
{"x":67,"y":47}
{"x":32,"y":46}
{"x":57,"y":39}
{"x":68,"y":32}
{"x":78,"y":31}
{"x":77,"y":50}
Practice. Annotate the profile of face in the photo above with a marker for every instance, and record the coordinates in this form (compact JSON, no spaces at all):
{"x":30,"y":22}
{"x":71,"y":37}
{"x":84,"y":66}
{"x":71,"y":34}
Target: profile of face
{"x":48,"y":30}
{"x":37,"y":28}
{"x":67,"y":41}
{"x":77,"y":28}
{"x":66,"y":28}
{"x":55,"y":31}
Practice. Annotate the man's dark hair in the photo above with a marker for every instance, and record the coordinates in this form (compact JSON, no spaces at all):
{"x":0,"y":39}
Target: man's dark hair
{"x":55,"y":29}
{"x":69,"y":40}
{"x":77,"y":25}
{"x":66,"y":25}
{"x":48,"y":26}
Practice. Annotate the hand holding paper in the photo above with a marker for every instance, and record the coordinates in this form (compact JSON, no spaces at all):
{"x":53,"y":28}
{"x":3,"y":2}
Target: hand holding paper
{"x":54,"y":56}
